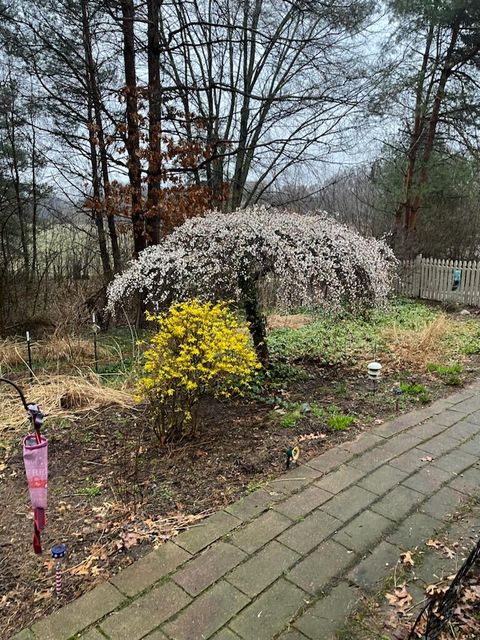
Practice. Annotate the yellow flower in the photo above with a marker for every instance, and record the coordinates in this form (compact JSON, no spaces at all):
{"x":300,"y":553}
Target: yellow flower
{"x":199,"y":348}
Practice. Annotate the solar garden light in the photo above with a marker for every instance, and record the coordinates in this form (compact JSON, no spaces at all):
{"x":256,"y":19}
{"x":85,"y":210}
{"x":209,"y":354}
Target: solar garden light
{"x":59,"y":553}
{"x":374,"y":369}
{"x":397,"y":392}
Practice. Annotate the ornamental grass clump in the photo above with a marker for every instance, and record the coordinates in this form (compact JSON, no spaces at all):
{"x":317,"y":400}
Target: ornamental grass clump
{"x":199,"y":349}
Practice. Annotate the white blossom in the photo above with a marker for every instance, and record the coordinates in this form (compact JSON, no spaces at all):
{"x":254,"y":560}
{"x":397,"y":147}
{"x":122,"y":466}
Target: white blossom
{"x":313,"y":261}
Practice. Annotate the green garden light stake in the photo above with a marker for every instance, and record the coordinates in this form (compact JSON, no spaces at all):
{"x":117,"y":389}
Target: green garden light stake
{"x":292,"y":455}
{"x":95,"y":329}
{"x":29,"y":349}
{"x":59,"y":553}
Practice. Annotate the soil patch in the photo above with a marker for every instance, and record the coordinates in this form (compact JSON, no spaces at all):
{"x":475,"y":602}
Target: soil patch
{"x":115,"y":494}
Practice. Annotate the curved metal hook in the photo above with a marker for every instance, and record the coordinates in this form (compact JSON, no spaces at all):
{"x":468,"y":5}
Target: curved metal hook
{"x":18,"y":390}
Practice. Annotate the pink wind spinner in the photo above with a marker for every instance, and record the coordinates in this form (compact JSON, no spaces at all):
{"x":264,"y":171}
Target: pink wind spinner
{"x":35,"y":458}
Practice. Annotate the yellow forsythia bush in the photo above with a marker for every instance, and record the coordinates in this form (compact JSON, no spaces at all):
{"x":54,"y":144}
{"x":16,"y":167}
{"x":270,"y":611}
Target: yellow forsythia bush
{"x":199,"y":348}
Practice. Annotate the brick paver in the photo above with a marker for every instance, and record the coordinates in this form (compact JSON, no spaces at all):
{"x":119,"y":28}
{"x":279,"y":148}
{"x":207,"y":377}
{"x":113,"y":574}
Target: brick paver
{"x":312,"y":497}
{"x":290,"y":560}
{"x":321,"y":621}
{"x":260,"y":531}
{"x":263,"y":568}
{"x":200,"y":536}
{"x":144,"y":614}
{"x":79,"y":614}
{"x":398,"y":502}
{"x":208,"y":567}
{"x":207,"y":613}
{"x":320,"y":566}
{"x":363,"y":531}
{"x":270,"y":612}
{"x":308,"y":533}
{"x":369,"y":573}
{"x":149,"y":569}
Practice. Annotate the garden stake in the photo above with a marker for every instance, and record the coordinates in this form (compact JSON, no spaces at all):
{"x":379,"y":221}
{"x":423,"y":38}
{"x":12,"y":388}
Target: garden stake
{"x":95,"y":329}
{"x":35,"y":459}
{"x":29,"y":349}
{"x":59,"y":552}
{"x":397,"y":392}
{"x":292,"y":455}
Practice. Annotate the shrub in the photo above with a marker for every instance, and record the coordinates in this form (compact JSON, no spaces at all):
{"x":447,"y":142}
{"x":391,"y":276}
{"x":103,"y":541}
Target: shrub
{"x":199,"y":349}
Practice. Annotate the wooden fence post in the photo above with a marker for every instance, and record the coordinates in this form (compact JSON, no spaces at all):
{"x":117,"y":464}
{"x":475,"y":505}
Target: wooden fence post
{"x":418,"y":277}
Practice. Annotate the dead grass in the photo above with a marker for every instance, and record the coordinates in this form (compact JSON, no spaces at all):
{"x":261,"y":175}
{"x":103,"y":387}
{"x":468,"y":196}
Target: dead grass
{"x":413,"y":348}
{"x":288,"y":321}
{"x":60,"y":397}
{"x":57,"y":350}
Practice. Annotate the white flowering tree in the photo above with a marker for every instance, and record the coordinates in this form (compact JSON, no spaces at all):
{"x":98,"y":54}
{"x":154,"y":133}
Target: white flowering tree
{"x":312,"y":260}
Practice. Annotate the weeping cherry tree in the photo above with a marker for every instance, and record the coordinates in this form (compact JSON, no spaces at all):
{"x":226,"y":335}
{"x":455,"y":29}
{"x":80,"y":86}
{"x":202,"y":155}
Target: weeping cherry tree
{"x":311,"y":260}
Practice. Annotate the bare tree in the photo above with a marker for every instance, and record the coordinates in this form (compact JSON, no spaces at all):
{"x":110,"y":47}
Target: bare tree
{"x":276,"y":83}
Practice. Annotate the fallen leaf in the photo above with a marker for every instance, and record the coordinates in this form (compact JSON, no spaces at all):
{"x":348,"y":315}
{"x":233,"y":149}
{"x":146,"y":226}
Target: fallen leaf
{"x":434,"y":590}
{"x":400,"y":598}
{"x":436,"y":544}
{"x":406,"y":559}
{"x":38,"y":596}
{"x":131,"y":539}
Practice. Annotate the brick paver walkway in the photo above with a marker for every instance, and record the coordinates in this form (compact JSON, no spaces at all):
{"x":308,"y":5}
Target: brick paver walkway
{"x":290,"y":561}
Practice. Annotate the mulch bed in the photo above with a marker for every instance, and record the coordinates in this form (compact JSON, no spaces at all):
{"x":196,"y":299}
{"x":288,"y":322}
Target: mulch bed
{"x":114,"y":493}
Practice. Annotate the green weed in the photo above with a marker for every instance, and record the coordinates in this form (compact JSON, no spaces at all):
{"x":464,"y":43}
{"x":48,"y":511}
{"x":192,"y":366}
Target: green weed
{"x":165,"y":490}
{"x":448,"y":373}
{"x":341,"y":389}
{"x":339,"y":421}
{"x":254,"y":485}
{"x":413,"y":389}
{"x":425,"y":398}
{"x":64,"y":423}
{"x":291,"y":418}
{"x":317,"y":411}
{"x":443,"y":369}
{"x":91,"y":491}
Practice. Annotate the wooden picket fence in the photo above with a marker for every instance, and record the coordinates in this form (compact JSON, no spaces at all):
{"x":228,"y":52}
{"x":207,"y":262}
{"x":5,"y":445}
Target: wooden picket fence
{"x":433,"y":279}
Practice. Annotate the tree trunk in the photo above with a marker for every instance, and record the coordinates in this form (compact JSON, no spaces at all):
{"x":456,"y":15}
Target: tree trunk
{"x":132,"y":142}
{"x":153,"y":226}
{"x":255,"y":319}
{"x":97,"y":213}
{"x":411,"y":222}
{"x":33,"y":268}
{"x":403,"y":212}
{"x":97,"y":108}
{"x":97,"y":200}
